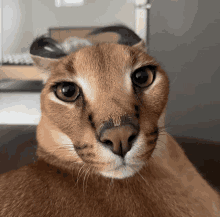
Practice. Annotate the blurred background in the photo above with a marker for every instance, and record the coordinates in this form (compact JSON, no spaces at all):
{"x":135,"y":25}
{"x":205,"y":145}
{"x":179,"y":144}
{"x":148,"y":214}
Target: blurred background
{"x":184,"y":37}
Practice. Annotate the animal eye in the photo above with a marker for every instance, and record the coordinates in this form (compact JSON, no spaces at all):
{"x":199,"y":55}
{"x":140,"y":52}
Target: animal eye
{"x":144,"y":76}
{"x":66,"y":91}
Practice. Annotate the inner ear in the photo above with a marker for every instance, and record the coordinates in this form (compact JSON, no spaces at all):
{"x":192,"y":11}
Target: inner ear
{"x":141,"y":46}
{"x":44,"y":63}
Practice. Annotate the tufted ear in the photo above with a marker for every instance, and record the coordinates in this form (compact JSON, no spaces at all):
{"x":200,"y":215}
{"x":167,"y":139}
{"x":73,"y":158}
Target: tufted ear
{"x":127,"y":36}
{"x":42,"y":63}
{"x":141,"y":46}
{"x":45,"y":51}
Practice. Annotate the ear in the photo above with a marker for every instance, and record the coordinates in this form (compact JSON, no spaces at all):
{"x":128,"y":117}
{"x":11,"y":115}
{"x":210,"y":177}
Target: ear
{"x":42,"y":63}
{"x":128,"y":36}
{"x":141,"y":46}
{"x":45,"y":65}
{"x":45,"y":52}
{"x":47,"y":47}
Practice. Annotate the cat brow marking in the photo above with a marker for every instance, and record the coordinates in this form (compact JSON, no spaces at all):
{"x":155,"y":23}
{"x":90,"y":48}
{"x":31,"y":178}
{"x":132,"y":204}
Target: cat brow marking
{"x":88,"y":90}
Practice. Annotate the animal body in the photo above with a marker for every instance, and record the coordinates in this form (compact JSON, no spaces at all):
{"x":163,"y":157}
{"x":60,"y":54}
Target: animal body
{"x":102,"y":148}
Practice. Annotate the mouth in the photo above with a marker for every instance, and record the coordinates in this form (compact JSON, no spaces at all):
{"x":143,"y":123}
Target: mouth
{"x":120,"y":167}
{"x":124,"y":170}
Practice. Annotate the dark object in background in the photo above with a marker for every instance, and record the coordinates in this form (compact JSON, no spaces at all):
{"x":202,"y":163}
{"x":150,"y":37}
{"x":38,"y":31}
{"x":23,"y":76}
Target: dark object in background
{"x":18,"y":148}
{"x":13,"y":85}
{"x":47,"y":47}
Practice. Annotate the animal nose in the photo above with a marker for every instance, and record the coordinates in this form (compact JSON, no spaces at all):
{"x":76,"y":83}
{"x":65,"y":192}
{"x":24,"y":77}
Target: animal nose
{"x":119,"y":139}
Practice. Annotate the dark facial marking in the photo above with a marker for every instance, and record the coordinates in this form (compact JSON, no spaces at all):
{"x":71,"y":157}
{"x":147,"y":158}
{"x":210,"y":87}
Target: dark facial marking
{"x":90,"y":155}
{"x":81,"y":147}
{"x":69,"y":67}
{"x":151,"y":151}
{"x":153,"y":141}
{"x":155,"y":132}
{"x":137,"y":111}
{"x":91,"y":121}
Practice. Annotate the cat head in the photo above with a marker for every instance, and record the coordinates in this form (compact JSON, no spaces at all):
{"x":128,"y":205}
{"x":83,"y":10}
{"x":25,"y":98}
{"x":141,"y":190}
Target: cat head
{"x":102,"y":105}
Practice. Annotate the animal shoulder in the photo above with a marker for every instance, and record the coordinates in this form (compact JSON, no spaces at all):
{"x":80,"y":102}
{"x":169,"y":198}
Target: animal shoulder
{"x":102,"y":146}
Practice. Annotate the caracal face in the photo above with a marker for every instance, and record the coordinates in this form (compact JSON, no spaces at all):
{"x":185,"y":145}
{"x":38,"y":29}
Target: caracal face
{"x":101,"y":108}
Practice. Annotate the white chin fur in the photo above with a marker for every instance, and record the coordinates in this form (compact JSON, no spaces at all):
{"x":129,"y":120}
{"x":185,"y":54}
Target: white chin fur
{"x":121,"y":172}
{"x":120,"y":169}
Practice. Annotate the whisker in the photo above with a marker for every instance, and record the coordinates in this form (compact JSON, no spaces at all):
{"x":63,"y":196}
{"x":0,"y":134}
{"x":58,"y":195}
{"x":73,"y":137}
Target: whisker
{"x":72,"y":172}
{"x":75,"y":162}
{"x":110,"y":185}
{"x":140,"y":175}
{"x":86,"y":172}
{"x":89,"y":172}
{"x":60,"y":147}
{"x":134,"y":164}
{"x":78,"y":174}
{"x":130,"y":167}
{"x":57,"y":149}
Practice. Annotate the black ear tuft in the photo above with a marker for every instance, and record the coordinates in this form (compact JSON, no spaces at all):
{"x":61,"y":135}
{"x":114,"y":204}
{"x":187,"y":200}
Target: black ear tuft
{"x":128,"y":36}
{"x":46,"y":47}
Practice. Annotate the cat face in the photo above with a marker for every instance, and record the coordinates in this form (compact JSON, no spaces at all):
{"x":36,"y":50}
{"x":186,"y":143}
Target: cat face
{"x":101,"y":108}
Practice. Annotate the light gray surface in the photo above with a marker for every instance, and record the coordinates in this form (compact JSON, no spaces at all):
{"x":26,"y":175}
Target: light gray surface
{"x":23,"y":20}
{"x":20,"y":108}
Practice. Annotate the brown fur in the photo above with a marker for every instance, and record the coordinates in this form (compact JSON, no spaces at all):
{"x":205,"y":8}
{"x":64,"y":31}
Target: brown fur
{"x":67,"y":182}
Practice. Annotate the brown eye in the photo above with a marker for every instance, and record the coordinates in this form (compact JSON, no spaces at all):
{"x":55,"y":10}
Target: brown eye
{"x":144,"y":76}
{"x":66,"y":91}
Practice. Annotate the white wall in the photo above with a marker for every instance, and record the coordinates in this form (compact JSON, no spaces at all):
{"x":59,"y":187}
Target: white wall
{"x":23,"y":20}
{"x":17,"y":26}
{"x":185,"y":38}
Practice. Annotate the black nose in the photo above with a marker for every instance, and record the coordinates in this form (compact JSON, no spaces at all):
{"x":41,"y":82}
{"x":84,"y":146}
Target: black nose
{"x":119,"y":139}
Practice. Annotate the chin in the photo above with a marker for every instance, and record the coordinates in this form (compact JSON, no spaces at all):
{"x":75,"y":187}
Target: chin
{"x":121,"y":172}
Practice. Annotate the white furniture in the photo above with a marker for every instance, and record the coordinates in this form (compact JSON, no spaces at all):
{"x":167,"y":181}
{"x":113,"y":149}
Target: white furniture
{"x":20,"y":108}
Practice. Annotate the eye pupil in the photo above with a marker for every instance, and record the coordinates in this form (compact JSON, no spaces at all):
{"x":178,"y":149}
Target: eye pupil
{"x":68,"y":90}
{"x":144,"y":76}
{"x":141,"y":77}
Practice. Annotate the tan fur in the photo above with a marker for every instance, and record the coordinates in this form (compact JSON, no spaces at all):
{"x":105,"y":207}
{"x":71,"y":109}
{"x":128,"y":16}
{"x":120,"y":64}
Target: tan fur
{"x":73,"y":174}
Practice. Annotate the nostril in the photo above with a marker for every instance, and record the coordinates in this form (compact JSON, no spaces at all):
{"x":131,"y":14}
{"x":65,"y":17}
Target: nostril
{"x":131,"y":138}
{"x":119,"y":139}
{"x":108,"y":142}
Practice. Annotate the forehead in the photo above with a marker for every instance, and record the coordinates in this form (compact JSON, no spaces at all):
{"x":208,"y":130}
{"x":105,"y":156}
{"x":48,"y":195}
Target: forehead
{"x":102,"y":58}
{"x":101,"y":61}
